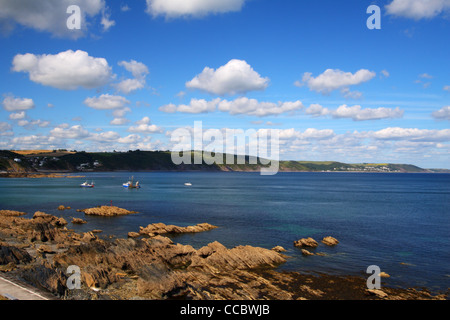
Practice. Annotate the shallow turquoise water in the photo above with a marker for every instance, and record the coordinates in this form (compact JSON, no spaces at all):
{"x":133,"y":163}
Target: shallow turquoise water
{"x":399,"y":222}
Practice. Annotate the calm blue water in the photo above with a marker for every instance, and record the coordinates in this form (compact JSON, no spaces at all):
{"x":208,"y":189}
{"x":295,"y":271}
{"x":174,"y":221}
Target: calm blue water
{"x":399,"y":222}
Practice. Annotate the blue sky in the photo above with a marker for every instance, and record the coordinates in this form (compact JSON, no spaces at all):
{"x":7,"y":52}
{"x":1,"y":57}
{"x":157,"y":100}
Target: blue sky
{"x":138,"y":70}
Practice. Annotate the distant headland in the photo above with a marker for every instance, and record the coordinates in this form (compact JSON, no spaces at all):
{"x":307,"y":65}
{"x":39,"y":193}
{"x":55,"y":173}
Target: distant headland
{"x":58,"y":163}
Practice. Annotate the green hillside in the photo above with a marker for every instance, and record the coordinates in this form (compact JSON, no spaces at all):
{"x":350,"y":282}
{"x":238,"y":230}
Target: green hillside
{"x":162,"y":161}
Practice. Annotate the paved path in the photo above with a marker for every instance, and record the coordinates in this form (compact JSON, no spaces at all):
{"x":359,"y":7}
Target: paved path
{"x":14,"y":290}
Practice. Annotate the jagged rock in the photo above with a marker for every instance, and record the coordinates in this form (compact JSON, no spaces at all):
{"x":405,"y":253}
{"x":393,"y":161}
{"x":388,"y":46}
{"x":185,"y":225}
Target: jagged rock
{"x":107,"y":211}
{"x":133,"y":234}
{"x":306,"y":242}
{"x":11,"y":213}
{"x":330,"y":241}
{"x":241,"y":257}
{"x":278,"y":249}
{"x":12,"y":254}
{"x":60,"y":222}
{"x":307,"y":253}
{"x":160,"y":228}
{"x":78,"y":221}
{"x":377,"y":292}
{"x":61,"y":207}
{"x":384,"y":274}
{"x":88,"y":237}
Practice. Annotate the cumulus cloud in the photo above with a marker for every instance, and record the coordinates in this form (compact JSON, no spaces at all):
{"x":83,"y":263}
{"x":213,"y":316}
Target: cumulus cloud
{"x":442,"y":114}
{"x":49,"y":15}
{"x":129,"y":85}
{"x":242,"y":105}
{"x":412,"y":134}
{"x":235,"y":77}
{"x":137,"y":69}
{"x":253,"y":107}
{"x":316,"y":110}
{"x":17,"y":104}
{"x":107,"y":136}
{"x":66,"y":70}
{"x":195,"y":106}
{"x":417,"y":9}
{"x":139,"y":72}
{"x":333,"y":79}
{"x":193,"y":8}
{"x":144,"y":126}
{"x":106,"y":102}
{"x":17,"y":115}
{"x":74,"y":132}
{"x":358,"y":114}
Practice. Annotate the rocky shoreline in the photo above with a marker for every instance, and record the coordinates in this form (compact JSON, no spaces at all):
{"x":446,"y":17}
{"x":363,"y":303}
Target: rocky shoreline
{"x":148,"y":265}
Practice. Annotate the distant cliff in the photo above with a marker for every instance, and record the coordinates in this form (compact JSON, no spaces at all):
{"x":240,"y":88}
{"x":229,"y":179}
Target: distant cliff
{"x":26,"y":162}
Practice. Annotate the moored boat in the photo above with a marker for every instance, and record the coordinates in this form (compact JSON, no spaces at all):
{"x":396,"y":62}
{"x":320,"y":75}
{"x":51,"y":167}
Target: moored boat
{"x":130,"y":185}
{"x":87,"y":184}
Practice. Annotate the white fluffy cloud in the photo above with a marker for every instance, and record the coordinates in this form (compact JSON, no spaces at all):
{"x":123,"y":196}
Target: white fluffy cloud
{"x":139,"y":72}
{"x":17,"y":104}
{"x":137,"y":69}
{"x":417,"y":9}
{"x":106,"y":102}
{"x":358,"y":114}
{"x":333,"y":79}
{"x":194,"y":8}
{"x":235,"y":77}
{"x":66,"y":70}
{"x":253,"y":107}
{"x":316,"y":110}
{"x":242,"y":105}
{"x":355,"y":112}
{"x":49,"y":15}
{"x":74,"y":132}
{"x":412,"y":134}
{"x":144,"y":126}
{"x":195,"y":106}
{"x":442,"y":114}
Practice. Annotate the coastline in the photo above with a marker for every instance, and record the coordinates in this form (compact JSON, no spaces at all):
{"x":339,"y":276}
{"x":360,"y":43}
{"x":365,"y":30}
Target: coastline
{"x":149,"y":265}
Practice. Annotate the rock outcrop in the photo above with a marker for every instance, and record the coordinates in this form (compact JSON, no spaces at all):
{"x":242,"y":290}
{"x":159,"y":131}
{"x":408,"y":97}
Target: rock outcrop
{"x":160,"y":228}
{"x":11,"y":213}
{"x":106,"y":211}
{"x":40,"y":250}
{"x":306,"y":242}
{"x":78,"y":221}
{"x":330,"y":241}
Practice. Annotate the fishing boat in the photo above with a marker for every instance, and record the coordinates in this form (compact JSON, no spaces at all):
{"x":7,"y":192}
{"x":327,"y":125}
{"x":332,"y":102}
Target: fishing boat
{"x":130,"y":185}
{"x":87,"y":184}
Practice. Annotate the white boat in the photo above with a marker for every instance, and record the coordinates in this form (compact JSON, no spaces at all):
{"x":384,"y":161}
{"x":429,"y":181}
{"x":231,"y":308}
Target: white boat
{"x":129,"y":184}
{"x":87,"y":184}
{"x":188,"y":184}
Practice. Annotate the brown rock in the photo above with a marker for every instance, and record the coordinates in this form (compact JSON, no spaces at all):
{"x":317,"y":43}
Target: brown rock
{"x":61,"y":222}
{"x":306,"y":242}
{"x":377,"y":292}
{"x":133,"y":234}
{"x":88,"y":237}
{"x":278,"y":249}
{"x":107,"y":211}
{"x":330,"y":241}
{"x":160,"y":228}
{"x":78,"y":221}
{"x":11,"y":213}
{"x":307,"y":253}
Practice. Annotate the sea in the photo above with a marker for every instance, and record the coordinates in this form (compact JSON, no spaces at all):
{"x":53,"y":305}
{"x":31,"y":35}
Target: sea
{"x":399,"y":222}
